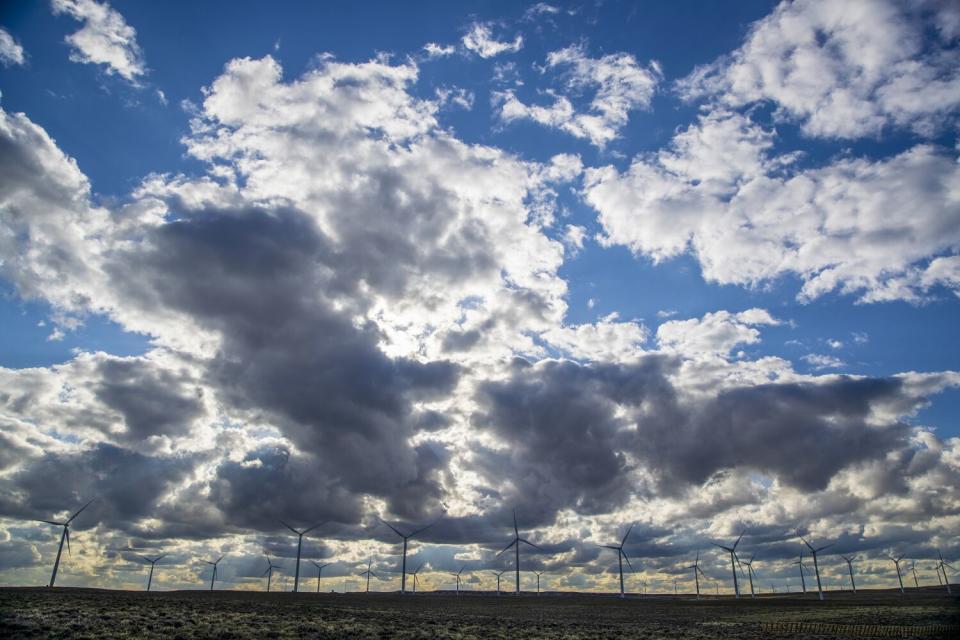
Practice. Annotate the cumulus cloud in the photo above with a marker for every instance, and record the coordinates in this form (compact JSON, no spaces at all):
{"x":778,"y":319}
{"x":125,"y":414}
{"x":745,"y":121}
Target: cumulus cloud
{"x":104,"y":39}
{"x":480,"y":40}
{"x":844,"y":70}
{"x":876,"y":228}
{"x":620,"y":85}
{"x":11,"y":53}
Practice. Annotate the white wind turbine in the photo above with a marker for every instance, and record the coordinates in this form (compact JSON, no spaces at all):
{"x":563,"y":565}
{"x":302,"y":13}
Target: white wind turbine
{"x":500,"y":573}
{"x":153,"y":563}
{"x":803,"y":567}
{"x":65,"y":535}
{"x":516,"y":543}
{"x":406,"y":538}
{"x":942,"y":566}
{"x":457,"y":576}
{"x":538,"y":573}
{"x":300,"y":534}
{"x":749,"y":565}
{"x":621,"y":556}
{"x":913,"y":569}
{"x":849,"y":561}
{"x":269,"y":572}
{"x":214,"y":565}
{"x":697,"y":572}
{"x":369,"y":573}
{"x":319,"y":571}
{"x":733,"y":562}
{"x":896,"y":562}
{"x":816,"y":567}
{"x":416,"y":579}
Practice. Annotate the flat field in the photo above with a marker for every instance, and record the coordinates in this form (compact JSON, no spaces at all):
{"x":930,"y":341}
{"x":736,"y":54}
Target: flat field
{"x":92,"y":613}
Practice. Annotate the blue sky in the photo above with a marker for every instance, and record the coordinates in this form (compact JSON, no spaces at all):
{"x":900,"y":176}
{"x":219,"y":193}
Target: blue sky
{"x":753,"y":198}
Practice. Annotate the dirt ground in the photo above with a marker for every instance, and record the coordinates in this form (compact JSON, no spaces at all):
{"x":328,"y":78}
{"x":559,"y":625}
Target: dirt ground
{"x":92,"y":613}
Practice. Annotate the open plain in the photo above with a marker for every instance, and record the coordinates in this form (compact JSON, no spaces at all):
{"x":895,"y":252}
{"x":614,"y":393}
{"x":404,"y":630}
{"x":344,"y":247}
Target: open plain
{"x":92,"y":613}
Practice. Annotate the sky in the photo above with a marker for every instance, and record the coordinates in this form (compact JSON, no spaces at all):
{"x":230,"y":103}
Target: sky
{"x":692,"y":267}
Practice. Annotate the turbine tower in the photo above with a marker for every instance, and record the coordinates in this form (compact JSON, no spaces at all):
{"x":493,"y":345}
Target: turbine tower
{"x":416,"y":580}
{"x":406,"y":538}
{"x":896,"y":561}
{"x":65,"y":535}
{"x":942,"y":566}
{"x":516,"y":543}
{"x":539,"y":573}
{"x":913,"y":569}
{"x":369,"y":573}
{"x":733,"y":560}
{"x":697,"y":572}
{"x":214,"y":565}
{"x":621,"y":556}
{"x":849,"y":562}
{"x":816,"y":567}
{"x":803,"y":567}
{"x":319,"y":571}
{"x":153,"y":563}
{"x":269,"y":572}
{"x":500,"y":573}
{"x":300,"y":534}
{"x":457,"y":576}
{"x":749,"y":565}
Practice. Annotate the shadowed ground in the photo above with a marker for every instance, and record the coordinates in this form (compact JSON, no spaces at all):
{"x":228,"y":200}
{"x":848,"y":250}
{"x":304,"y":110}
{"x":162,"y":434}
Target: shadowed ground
{"x":91,"y":613}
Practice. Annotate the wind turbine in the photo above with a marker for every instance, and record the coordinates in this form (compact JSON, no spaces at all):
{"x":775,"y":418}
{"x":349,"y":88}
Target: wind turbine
{"x":943,"y":567}
{"x":749,"y":565}
{"x":849,"y":562}
{"x":153,"y":563}
{"x":816,"y":567}
{"x":269,"y":572}
{"x":697,"y":572}
{"x":406,"y":538}
{"x":214,"y":565}
{"x":913,"y":569}
{"x":416,"y":580}
{"x":369,"y":573}
{"x":803,"y":567}
{"x":896,"y":561}
{"x":457,"y":576}
{"x":516,"y":543}
{"x":500,"y":573}
{"x":621,"y":556}
{"x":733,"y":560}
{"x":539,"y":573}
{"x":319,"y":571}
{"x":63,"y":536}
{"x":300,"y":534}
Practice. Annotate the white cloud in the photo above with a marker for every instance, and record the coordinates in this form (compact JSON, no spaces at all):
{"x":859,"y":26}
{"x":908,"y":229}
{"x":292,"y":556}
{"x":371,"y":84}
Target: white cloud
{"x":666,"y":313}
{"x":854,"y":224}
{"x":573,"y":237}
{"x":480,"y":40}
{"x":621,"y":85}
{"x":844,"y":69}
{"x":607,"y":340}
{"x":435,"y":50}
{"x":715,"y":334}
{"x":821,"y":361}
{"x":105,"y":38}
{"x":11,"y":53}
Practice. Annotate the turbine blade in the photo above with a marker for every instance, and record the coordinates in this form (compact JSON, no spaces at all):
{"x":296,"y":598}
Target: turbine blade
{"x":266,"y":572}
{"x":56,"y":524}
{"x":532,"y":545}
{"x":78,"y":512}
{"x":738,"y":539}
{"x":628,"y":561}
{"x":289,"y":527}
{"x":425,"y":527}
{"x":319,"y":524}
{"x":395,"y":530}
{"x":68,"y":539}
{"x":827,"y":546}
{"x":727,"y":549}
{"x":808,"y":544}
{"x":515,"y":529}
{"x":218,"y":560}
{"x":161,"y":557}
{"x":515,"y":540}
{"x":610,"y":546}
{"x":626,"y":535}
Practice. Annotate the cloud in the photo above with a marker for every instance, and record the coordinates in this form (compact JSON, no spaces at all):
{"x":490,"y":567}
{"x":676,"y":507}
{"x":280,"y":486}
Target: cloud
{"x":480,"y":40}
{"x":844,"y":71}
{"x":11,"y":53}
{"x":714,"y":334}
{"x":621,"y":85}
{"x":870,"y":227}
{"x":823,"y":361}
{"x":435,"y":50}
{"x":105,"y":38}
